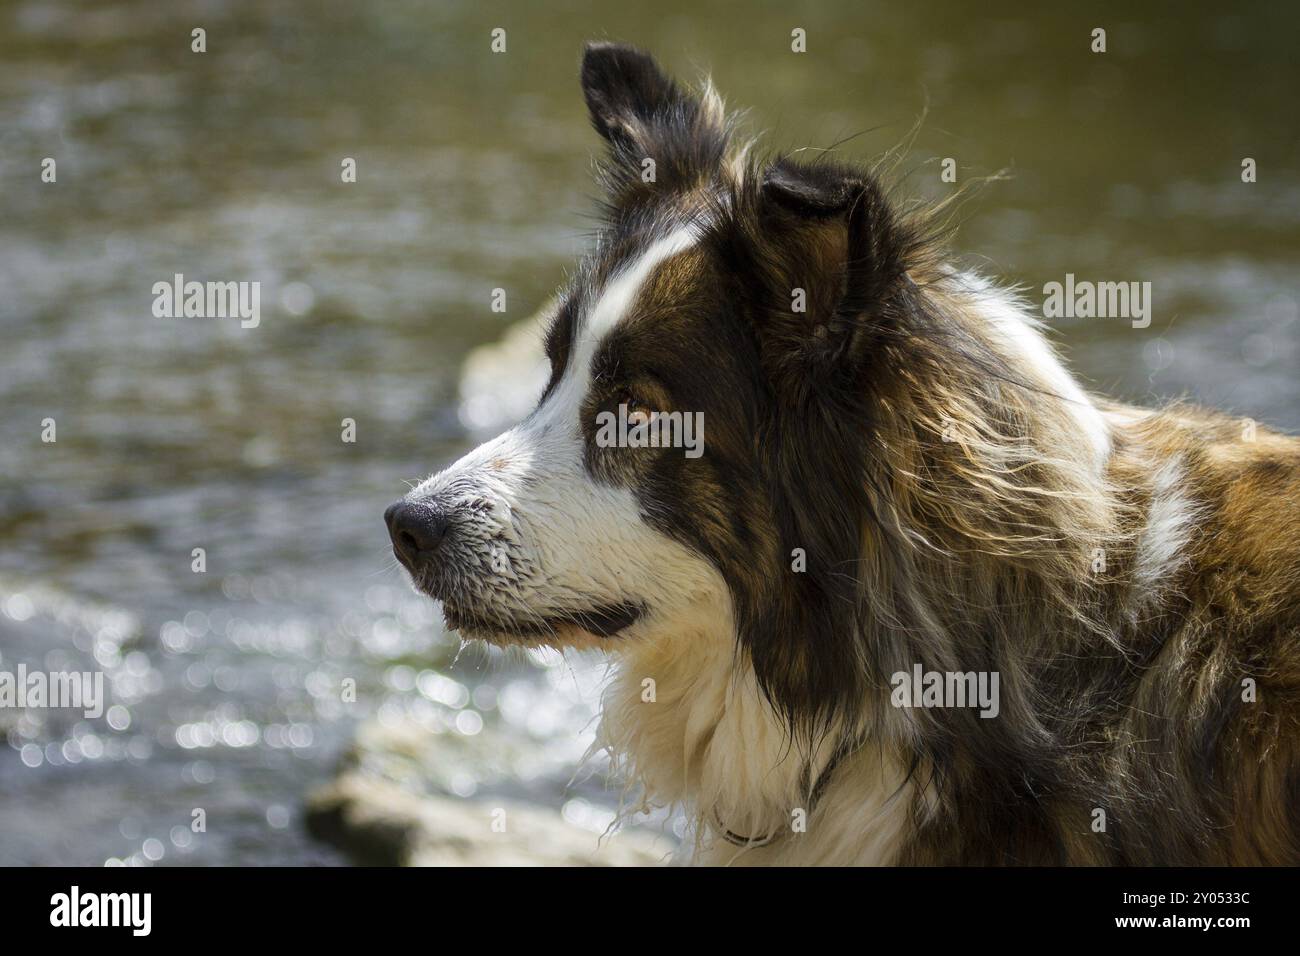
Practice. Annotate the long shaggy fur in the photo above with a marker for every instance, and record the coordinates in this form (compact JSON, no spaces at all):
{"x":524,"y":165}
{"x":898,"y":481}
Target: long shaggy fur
{"x":900,"y":474}
{"x":954,"y":515}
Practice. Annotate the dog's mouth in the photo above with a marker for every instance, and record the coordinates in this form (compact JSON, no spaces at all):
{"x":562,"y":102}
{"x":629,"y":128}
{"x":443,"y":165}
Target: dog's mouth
{"x":552,"y":626}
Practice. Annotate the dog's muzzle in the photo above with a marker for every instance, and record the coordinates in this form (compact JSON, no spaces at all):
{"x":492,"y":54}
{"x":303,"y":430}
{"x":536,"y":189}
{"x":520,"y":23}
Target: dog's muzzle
{"x":434,"y":540}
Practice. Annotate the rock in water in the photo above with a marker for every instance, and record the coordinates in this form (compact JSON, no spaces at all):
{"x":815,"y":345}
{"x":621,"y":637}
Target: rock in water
{"x":387,"y":808}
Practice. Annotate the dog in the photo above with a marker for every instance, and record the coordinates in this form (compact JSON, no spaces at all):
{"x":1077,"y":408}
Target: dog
{"x":903,"y":501}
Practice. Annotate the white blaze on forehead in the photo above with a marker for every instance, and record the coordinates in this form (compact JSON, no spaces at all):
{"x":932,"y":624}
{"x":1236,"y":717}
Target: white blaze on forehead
{"x":524,"y":446}
{"x":611,"y":308}
{"x":616,"y":301}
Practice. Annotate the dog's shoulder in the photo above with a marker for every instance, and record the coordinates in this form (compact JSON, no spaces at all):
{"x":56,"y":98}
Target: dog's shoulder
{"x":1218,"y":513}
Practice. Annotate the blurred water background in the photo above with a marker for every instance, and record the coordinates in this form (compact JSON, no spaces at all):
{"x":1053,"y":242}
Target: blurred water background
{"x":474,"y":173}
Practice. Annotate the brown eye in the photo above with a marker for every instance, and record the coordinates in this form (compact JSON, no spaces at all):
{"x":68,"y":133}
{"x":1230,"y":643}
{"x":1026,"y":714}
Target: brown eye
{"x":638,"y":409}
{"x":637,"y":412}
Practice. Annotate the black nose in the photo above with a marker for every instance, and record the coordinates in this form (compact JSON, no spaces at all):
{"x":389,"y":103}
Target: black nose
{"x":417,"y":528}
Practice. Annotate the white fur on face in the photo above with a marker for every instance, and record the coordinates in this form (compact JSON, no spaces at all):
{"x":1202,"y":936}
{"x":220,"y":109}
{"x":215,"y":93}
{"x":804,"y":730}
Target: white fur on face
{"x":534,"y":536}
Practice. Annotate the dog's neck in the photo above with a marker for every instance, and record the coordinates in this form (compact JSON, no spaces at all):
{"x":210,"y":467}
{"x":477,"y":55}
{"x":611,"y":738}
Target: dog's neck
{"x":686,"y":724}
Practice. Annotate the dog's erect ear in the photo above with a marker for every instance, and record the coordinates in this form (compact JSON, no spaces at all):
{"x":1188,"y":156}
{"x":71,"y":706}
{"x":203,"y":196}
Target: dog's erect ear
{"x":644,"y":115}
{"x":626,"y":91}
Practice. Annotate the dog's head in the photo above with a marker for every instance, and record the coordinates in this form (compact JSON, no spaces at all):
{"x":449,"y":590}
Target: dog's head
{"x":752,"y":298}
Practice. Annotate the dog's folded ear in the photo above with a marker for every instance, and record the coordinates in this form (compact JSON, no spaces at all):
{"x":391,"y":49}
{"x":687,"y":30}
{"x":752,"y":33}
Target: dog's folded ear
{"x":845,"y":214}
{"x":834,"y":257}
{"x":644,"y":115}
{"x":815,"y":191}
